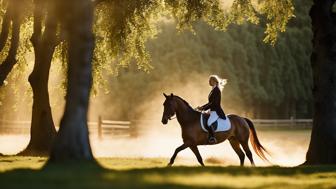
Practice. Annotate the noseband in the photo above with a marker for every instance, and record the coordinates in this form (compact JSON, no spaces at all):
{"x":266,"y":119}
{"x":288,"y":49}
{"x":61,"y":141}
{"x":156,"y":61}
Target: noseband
{"x":171,"y":118}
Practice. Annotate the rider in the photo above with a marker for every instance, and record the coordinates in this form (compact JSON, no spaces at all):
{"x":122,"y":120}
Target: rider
{"x":214,"y":98}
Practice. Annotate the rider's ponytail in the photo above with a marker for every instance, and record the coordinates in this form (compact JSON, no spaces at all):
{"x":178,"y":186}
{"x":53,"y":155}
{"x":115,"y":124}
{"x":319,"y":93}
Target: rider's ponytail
{"x":220,"y":82}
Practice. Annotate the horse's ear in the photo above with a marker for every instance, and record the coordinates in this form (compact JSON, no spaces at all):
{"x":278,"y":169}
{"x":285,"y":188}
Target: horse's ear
{"x":171,"y":95}
{"x":164,"y":94}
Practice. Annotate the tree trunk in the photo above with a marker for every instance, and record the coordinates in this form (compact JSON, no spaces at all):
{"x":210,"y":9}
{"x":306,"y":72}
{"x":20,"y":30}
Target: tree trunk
{"x":42,"y":130}
{"x":322,"y":147}
{"x":72,"y":140}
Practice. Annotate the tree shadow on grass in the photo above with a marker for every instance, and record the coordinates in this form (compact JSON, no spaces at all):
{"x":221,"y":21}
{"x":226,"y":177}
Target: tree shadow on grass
{"x":92,"y":175}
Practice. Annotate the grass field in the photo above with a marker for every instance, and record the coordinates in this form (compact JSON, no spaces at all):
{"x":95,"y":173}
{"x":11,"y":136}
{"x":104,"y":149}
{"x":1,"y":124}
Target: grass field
{"x":27,"y":172}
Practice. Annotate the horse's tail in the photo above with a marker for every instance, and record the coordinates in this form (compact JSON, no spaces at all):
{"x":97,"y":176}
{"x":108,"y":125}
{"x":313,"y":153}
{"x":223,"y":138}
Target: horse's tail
{"x":258,"y":148}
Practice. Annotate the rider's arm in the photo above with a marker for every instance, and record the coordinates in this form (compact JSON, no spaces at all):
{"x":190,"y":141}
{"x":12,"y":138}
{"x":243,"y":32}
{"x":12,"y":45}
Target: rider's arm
{"x":206,"y":106}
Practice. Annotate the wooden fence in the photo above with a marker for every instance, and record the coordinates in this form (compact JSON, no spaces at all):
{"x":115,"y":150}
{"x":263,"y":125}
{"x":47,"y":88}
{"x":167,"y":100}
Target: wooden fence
{"x":109,"y":127}
{"x":8,"y":126}
{"x":134,"y":128}
{"x":283,"y":123}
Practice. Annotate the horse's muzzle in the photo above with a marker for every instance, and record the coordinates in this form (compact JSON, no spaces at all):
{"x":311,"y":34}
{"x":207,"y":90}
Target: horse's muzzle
{"x":164,"y":121}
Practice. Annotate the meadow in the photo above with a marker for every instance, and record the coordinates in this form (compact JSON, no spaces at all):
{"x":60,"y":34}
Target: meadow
{"x":31,"y":172}
{"x":141,"y":163}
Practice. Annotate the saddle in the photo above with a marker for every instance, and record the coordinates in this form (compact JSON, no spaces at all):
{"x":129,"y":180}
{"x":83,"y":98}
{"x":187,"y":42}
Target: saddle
{"x":219,"y":126}
{"x":205,"y":122}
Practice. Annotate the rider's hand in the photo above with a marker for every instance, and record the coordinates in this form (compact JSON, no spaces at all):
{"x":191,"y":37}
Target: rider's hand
{"x":198,"y":108}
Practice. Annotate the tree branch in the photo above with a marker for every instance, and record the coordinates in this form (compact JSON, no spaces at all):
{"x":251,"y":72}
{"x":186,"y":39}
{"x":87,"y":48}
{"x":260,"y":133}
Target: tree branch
{"x":5,"y":29}
{"x":60,"y":38}
{"x":44,"y":44}
{"x":38,"y":17}
{"x":97,"y":2}
{"x":10,"y":61}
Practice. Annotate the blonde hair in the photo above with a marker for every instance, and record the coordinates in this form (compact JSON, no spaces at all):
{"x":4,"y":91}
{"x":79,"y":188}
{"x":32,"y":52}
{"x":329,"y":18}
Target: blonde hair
{"x":220,"y":82}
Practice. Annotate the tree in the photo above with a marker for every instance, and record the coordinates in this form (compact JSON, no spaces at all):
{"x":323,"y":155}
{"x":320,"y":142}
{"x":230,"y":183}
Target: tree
{"x":72,"y":141}
{"x":42,"y":126}
{"x":322,"y":147}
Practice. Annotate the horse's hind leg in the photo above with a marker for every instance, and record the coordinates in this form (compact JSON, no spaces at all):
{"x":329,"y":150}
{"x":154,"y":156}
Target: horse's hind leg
{"x":177,"y":150}
{"x":197,"y":154}
{"x":248,"y":151}
{"x":235,"y":145}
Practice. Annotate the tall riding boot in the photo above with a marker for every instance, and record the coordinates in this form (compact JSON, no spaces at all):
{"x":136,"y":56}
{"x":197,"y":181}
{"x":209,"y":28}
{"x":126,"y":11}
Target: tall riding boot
{"x":212,"y":139}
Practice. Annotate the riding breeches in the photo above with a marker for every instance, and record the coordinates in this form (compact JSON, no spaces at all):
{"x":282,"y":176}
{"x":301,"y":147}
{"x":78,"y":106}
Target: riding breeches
{"x":213,"y":117}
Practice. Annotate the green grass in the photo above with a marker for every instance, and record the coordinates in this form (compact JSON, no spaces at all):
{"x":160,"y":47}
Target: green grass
{"x":27,"y":172}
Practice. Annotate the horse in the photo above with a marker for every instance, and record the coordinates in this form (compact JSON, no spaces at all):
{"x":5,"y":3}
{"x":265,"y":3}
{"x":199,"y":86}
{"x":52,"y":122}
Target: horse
{"x":193,"y":135}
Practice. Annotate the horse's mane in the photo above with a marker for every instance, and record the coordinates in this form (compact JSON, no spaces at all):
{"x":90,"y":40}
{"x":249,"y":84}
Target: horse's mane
{"x":185,"y":102}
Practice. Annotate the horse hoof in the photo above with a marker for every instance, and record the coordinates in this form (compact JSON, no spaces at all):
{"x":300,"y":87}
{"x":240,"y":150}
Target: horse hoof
{"x":169,"y":164}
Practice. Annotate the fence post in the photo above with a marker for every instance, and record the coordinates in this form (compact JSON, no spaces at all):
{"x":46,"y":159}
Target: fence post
{"x":100,"y":136}
{"x":133,"y":128}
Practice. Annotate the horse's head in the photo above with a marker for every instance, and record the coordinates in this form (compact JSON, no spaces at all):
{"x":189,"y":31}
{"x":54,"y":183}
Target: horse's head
{"x":169,"y":108}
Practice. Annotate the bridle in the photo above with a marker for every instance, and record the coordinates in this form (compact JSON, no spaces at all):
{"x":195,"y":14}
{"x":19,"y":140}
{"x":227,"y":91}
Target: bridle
{"x":172,"y":117}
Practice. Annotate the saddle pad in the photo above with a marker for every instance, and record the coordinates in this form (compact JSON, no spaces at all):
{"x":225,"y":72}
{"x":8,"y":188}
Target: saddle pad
{"x":222,"y":125}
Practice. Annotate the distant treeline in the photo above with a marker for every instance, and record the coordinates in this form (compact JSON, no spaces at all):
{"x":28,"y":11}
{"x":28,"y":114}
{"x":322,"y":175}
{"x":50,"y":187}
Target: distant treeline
{"x":264,"y":81}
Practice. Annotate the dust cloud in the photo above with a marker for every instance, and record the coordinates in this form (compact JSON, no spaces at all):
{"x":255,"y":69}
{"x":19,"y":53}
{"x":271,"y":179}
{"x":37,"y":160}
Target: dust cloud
{"x":287,"y":148}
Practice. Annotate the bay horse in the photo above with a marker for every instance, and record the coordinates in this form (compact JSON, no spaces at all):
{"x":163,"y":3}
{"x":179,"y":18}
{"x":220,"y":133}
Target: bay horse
{"x":193,"y":135}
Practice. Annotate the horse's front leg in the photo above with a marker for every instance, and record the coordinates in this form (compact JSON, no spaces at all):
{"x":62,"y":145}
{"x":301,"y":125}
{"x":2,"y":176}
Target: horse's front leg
{"x":172,"y":159}
{"x":197,"y":154}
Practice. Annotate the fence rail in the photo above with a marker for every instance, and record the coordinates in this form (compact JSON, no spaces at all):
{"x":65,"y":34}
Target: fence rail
{"x":132,"y":128}
{"x":283,"y":123}
{"x":121,"y":128}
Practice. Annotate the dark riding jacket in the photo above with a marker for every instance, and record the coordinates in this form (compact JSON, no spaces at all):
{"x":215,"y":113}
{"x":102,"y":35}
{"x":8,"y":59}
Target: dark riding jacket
{"x":214,"y":103}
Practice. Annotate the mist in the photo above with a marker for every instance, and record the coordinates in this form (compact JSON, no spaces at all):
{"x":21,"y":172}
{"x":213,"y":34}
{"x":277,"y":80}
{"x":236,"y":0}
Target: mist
{"x":287,"y":147}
